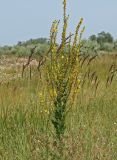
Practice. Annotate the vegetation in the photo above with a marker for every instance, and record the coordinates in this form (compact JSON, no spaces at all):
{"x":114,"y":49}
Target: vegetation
{"x":104,"y":42}
{"x":60,"y":103}
{"x":26,"y":131}
{"x":23,"y":48}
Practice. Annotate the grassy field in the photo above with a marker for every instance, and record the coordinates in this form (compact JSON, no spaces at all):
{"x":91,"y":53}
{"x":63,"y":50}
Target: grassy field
{"x":60,"y":103}
{"x":26,"y":132}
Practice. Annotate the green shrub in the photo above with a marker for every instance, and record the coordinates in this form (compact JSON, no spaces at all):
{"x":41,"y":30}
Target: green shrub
{"x":107,"y":47}
{"x":90,"y":47}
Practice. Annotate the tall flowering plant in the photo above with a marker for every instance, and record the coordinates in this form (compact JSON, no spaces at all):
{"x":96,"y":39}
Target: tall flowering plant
{"x":62,"y":71}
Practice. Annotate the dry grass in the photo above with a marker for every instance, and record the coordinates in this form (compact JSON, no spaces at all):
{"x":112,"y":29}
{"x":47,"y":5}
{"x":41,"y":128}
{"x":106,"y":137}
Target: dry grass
{"x":25,"y":127}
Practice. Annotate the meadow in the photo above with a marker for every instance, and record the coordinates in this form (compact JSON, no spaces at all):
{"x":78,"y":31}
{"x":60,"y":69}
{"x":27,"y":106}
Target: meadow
{"x":26,"y":131}
{"x":61,"y":103}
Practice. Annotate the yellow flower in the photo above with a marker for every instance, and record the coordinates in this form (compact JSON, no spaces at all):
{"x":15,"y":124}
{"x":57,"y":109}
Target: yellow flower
{"x":62,"y":57}
{"x":77,"y":59}
{"x":78,"y":81}
{"x":41,"y":97}
{"x":46,"y":111}
{"x":55,"y":94}
{"x":40,"y":94}
{"x":75,"y":91}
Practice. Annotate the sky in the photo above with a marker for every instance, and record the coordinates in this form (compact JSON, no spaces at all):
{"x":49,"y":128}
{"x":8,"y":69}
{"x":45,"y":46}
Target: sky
{"x":21,"y":20}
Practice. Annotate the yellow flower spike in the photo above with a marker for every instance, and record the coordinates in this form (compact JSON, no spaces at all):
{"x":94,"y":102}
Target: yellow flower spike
{"x":62,"y":72}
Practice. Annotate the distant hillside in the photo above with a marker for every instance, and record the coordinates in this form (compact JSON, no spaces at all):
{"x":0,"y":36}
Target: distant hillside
{"x":23,"y":48}
{"x":35,"y":42}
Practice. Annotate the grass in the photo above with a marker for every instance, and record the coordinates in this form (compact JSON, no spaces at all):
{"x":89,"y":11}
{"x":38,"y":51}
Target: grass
{"x":36,"y":117}
{"x":26,"y":132}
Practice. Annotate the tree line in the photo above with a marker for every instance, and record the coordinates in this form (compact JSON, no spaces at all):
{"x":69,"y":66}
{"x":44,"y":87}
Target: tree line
{"x":95,"y":44}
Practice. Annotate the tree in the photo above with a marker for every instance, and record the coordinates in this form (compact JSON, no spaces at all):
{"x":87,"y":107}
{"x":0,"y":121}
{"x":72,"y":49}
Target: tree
{"x":104,"y":37}
{"x":93,"y":37}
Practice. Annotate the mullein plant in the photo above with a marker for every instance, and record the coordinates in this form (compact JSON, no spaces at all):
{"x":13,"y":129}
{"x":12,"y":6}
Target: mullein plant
{"x":62,"y":71}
